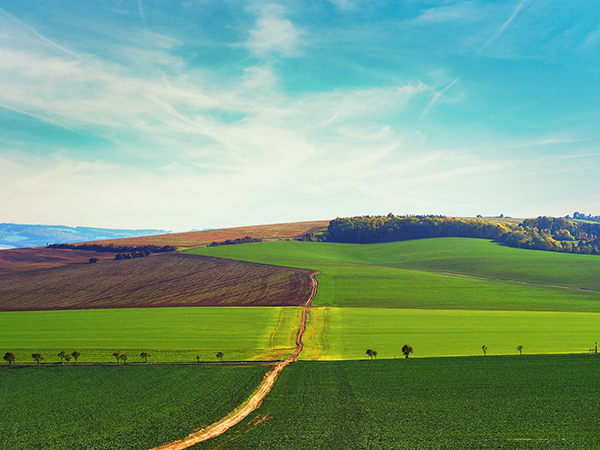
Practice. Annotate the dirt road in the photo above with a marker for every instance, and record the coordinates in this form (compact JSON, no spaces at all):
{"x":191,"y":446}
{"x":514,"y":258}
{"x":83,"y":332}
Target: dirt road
{"x":256,"y":399}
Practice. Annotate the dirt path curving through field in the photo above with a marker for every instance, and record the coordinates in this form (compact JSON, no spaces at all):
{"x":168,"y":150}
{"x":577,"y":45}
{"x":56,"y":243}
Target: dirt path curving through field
{"x":256,"y":399}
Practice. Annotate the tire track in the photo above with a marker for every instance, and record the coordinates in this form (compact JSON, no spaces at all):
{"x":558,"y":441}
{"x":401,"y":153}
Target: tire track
{"x":257,"y":397}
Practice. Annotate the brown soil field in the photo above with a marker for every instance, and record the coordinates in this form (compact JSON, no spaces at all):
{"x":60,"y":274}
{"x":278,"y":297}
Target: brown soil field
{"x":195,"y":238}
{"x":19,"y":259}
{"x":160,"y":280}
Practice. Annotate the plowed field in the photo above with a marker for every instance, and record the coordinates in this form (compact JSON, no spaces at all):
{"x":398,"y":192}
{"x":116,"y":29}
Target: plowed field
{"x":162,"y":280}
{"x":19,"y":259}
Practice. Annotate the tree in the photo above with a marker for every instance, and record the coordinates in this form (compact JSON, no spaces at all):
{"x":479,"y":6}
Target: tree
{"x":123,"y":357}
{"x":61,"y":355}
{"x":76,"y":354}
{"x":198,"y":358}
{"x":145,"y":355}
{"x":220,"y":355}
{"x":68,"y":357}
{"x":117,"y":355}
{"x":10,"y":357}
{"x":520,"y":348}
{"x":371,"y":353}
{"x":484,"y":348}
{"x":37,"y":356}
{"x":407,"y":350}
{"x":93,"y":260}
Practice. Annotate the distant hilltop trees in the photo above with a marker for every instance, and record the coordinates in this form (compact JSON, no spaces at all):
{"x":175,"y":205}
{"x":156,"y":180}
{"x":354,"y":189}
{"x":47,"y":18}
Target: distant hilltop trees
{"x":244,"y":240}
{"x":580,"y":216}
{"x":122,"y":251}
{"x":542,"y":233}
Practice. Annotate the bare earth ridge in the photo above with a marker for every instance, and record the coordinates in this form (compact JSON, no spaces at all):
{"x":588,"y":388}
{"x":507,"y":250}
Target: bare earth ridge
{"x":160,"y":280}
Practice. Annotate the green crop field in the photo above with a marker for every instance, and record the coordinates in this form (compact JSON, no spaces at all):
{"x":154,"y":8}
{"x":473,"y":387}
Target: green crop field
{"x":445,"y":273}
{"x":170,"y":334}
{"x":346,"y":333}
{"x":116,"y":407}
{"x":509,"y":402}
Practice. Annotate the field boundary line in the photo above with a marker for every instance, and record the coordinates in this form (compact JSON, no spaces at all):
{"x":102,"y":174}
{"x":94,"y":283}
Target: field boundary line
{"x":257,"y":397}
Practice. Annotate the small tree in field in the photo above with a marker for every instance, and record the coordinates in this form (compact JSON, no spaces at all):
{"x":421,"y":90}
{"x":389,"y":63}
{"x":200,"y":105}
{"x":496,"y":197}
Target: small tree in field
{"x":145,"y":355}
{"x":68,"y":358}
{"x":117,"y":355}
{"x":61,"y":355}
{"x":198,"y":358}
{"x":123,"y":357}
{"x":76,"y":354}
{"x":371,"y":353}
{"x":407,"y":350}
{"x":37,"y":357}
{"x":484,"y":348}
{"x":10,"y":358}
{"x":520,"y":348}
{"x":220,"y":355}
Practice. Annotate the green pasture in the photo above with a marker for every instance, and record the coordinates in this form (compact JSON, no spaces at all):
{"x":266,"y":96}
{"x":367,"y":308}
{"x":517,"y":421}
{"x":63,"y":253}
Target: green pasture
{"x":444,"y":273}
{"x":346,"y":333}
{"x":116,"y":407}
{"x":170,"y":334}
{"x":497,"y":402}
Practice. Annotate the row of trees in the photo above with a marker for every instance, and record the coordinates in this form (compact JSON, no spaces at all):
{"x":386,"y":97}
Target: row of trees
{"x":10,"y":357}
{"x":113,"y":248}
{"x":244,"y":240}
{"x":541,"y":233}
{"x":406,"y":351}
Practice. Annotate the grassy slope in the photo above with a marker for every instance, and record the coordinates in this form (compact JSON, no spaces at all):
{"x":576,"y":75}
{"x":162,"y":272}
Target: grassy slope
{"x":109,"y":407}
{"x":408,"y":274}
{"x":156,"y":281}
{"x":346,"y":333}
{"x":452,"y":403}
{"x":170,"y":334}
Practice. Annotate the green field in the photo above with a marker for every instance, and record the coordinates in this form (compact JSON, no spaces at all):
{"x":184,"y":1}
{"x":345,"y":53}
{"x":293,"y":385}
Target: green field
{"x":170,"y":334}
{"x":445,"y":273}
{"x":116,"y":407}
{"x":346,"y":333}
{"x":509,"y":402}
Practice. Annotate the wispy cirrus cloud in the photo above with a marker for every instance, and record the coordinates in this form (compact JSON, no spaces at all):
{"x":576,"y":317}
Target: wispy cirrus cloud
{"x":274,"y":33}
{"x":467,"y":11}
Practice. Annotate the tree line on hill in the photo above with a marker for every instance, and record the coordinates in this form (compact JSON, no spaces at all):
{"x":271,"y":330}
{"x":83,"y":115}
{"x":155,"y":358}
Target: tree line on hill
{"x":582,"y":216}
{"x":541,"y":233}
{"x":122,"y":251}
{"x":244,"y":240}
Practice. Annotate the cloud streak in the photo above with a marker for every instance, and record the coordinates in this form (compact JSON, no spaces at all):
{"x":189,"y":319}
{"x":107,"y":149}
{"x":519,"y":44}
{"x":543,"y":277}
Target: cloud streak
{"x":439,"y":96}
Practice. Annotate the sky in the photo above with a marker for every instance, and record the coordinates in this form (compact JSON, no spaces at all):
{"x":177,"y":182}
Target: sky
{"x":199,"y":114}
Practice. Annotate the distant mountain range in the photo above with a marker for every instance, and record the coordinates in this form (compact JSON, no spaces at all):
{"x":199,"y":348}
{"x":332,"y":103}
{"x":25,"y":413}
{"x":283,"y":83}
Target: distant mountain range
{"x":14,"y":235}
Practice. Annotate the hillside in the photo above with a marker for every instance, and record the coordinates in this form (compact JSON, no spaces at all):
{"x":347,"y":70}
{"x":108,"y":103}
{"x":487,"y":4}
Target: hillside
{"x":13,"y":235}
{"x":279,"y":231}
{"x":161,"y":280}
{"x":23,"y":259}
{"x":442,"y":273}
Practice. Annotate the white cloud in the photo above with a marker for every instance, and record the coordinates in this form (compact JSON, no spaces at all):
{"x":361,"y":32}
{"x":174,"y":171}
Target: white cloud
{"x":274,"y":34}
{"x":467,"y":11}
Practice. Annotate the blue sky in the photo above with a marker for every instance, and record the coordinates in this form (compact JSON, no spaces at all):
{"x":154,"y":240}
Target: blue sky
{"x":204,"y":114}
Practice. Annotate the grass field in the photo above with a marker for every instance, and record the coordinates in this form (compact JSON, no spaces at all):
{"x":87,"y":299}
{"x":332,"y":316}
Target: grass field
{"x":346,"y":333}
{"x":170,"y":334}
{"x":110,"y":407}
{"x":170,"y":279}
{"x":446,"y":273}
{"x":511,"y":402}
